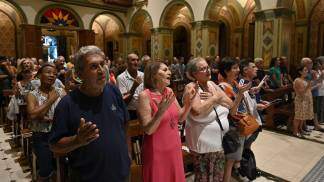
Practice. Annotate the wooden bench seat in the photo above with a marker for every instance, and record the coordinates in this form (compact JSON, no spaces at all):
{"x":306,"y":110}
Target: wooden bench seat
{"x":283,"y":108}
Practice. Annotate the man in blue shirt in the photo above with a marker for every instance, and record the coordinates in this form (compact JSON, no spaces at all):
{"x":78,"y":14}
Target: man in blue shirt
{"x":89,"y":124}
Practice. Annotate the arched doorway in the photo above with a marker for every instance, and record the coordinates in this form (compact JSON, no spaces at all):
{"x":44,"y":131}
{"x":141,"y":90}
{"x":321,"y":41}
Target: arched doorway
{"x":59,"y":31}
{"x":181,"y":44}
{"x":10,"y":19}
{"x":141,"y":24}
{"x":223,"y":40}
{"x":178,"y":16}
{"x":316,"y":30}
{"x":108,"y":29}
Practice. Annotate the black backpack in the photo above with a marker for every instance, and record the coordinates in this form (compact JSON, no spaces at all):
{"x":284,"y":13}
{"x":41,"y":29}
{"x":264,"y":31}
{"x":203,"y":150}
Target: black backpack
{"x":248,"y":165}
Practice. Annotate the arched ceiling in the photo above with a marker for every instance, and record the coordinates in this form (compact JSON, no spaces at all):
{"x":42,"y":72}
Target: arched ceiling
{"x":234,"y":12}
{"x":110,"y":25}
{"x":141,"y":23}
{"x":12,"y":12}
{"x":177,"y":13}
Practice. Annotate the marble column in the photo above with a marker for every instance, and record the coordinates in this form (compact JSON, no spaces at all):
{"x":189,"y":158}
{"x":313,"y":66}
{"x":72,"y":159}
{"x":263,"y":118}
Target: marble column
{"x":273,"y":34}
{"x":205,"y":38}
{"x":132,"y":43}
{"x":162,"y":43}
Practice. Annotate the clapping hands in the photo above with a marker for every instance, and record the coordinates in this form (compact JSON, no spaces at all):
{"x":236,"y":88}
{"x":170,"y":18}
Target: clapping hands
{"x":166,"y":101}
{"x":87,"y":132}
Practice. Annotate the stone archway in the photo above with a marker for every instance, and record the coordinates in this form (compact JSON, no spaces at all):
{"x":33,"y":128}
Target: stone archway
{"x":316,"y":30}
{"x":141,"y":24}
{"x":176,"y":14}
{"x":230,"y":15}
{"x":108,"y":29}
{"x":11,"y":17}
{"x":249,"y":30}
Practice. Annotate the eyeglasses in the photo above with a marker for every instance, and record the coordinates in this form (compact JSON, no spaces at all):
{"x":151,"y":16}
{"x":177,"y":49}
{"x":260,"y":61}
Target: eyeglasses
{"x":204,"y":69}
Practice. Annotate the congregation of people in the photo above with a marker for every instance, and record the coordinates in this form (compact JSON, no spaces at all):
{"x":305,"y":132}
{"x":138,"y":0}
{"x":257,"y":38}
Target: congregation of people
{"x":80,"y":108}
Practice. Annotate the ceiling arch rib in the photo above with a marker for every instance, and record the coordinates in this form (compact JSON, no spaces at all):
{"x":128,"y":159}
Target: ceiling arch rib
{"x":141,"y":22}
{"x":175,"y":13}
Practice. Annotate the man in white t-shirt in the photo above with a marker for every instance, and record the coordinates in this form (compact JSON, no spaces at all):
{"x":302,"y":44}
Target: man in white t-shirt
{"x":128,"y":81}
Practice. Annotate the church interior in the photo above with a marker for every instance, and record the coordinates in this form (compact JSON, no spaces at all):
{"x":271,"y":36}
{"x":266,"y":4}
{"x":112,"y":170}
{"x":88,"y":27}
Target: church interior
{"x":168,"y":30}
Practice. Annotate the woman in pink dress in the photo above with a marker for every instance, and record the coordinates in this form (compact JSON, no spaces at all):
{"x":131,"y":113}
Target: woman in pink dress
{"x":159,"y":113}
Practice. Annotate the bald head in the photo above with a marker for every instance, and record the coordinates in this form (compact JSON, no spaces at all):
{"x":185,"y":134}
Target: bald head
{"x":307,"y":62}
{"x":132,"y":62}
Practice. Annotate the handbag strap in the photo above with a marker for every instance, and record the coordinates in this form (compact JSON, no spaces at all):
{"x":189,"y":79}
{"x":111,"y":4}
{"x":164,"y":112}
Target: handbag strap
{"x":246,"y":103}
{"x":218,"y":121}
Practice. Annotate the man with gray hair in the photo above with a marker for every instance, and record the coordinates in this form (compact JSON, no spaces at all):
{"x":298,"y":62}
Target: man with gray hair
{"x":89,"y":123}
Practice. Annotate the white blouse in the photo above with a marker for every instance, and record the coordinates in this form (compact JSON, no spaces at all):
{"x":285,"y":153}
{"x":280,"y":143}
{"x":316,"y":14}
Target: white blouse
{"x":203,"y":133}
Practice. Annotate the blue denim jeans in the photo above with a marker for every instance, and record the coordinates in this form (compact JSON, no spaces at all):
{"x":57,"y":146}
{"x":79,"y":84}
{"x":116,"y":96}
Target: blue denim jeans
{"x":45,"y":158}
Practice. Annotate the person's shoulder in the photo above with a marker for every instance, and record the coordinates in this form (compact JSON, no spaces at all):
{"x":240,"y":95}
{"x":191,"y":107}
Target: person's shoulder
{"x":111,"y":87}
{"x":140,"y":73}
{"x":122,"y":75}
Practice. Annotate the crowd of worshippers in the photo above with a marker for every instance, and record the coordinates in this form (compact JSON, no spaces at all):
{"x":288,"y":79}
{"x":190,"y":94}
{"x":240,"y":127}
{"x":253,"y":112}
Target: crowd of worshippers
{"x":81,"y":109}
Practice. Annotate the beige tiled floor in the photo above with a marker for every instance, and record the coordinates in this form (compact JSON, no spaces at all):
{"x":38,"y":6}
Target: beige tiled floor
{"x":287,"y":157}
{"x":11,"y":163}
{"x":283,"y":156}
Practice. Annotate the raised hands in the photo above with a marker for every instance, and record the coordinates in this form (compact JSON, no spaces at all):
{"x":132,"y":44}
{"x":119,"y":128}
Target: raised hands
{"x":136,"y":83}
{"x":243,"y":88}
{"x":189,"y":94}
{"x":87,"y":132}
{"x":53,"y":95}
{"x":166,"y":101}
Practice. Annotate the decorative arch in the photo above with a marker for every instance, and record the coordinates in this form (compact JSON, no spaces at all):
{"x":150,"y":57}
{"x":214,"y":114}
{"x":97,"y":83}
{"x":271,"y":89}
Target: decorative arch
{"x":316,"y":30}
{"x":171,"y":5}
{"x":58,"y":15}
{"x":249,"y":32}
{"x":112,"y":15}
{"x":300,"y":9}
{"x":212,"y":4}
{"x":11,"y":17}
{"x":235,"y":14}
{"x":14,"y":11}
{"x":138,"y":13}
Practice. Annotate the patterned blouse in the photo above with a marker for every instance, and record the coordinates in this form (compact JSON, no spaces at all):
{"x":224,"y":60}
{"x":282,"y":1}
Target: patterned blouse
{"x":38,"y":126}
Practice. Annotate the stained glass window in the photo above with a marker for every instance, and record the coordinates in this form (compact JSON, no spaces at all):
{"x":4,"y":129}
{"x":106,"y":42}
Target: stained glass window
{"x":59,"y":17}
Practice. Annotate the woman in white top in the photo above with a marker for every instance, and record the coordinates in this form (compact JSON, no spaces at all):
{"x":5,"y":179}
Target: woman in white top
{"x":208,"y":115}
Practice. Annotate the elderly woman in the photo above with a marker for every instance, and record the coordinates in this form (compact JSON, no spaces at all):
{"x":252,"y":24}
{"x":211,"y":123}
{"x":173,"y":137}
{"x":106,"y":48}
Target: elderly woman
{"x":159,"y":114}
{"x":41,"y":103}
{"x":206,"y":123}
{"x":229,"y":70}
{"x":21,"y":89}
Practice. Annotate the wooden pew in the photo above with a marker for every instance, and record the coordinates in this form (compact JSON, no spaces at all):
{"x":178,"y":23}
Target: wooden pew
{"x":275,"y":109}
{"x":134,"y":129}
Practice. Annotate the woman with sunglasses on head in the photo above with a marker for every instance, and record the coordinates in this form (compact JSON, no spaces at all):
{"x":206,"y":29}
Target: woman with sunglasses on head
{"x":159,"y":115}
{"x":206,"y":123}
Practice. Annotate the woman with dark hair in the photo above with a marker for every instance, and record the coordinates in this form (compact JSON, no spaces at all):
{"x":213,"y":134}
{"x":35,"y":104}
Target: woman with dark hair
{"x":303,"y":101}
{"x":159,"y":115}
{"x":41,"y":104}
{"x":229,"y":70}
{"x":275,"y":73}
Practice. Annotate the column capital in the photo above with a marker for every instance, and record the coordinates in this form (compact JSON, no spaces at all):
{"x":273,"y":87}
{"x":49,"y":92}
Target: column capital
{"x":273,"y":13}
{"x":130,"y":34}
{"x":239,"y":30}
{"x":301,"y":23}
{"x":162,"y":30}
{"x":205,"y":23}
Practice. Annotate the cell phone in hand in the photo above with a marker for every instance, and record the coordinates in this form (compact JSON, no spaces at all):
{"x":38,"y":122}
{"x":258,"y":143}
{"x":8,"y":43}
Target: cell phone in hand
{"x":263,"y":81}
{"x":275,"y":101}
